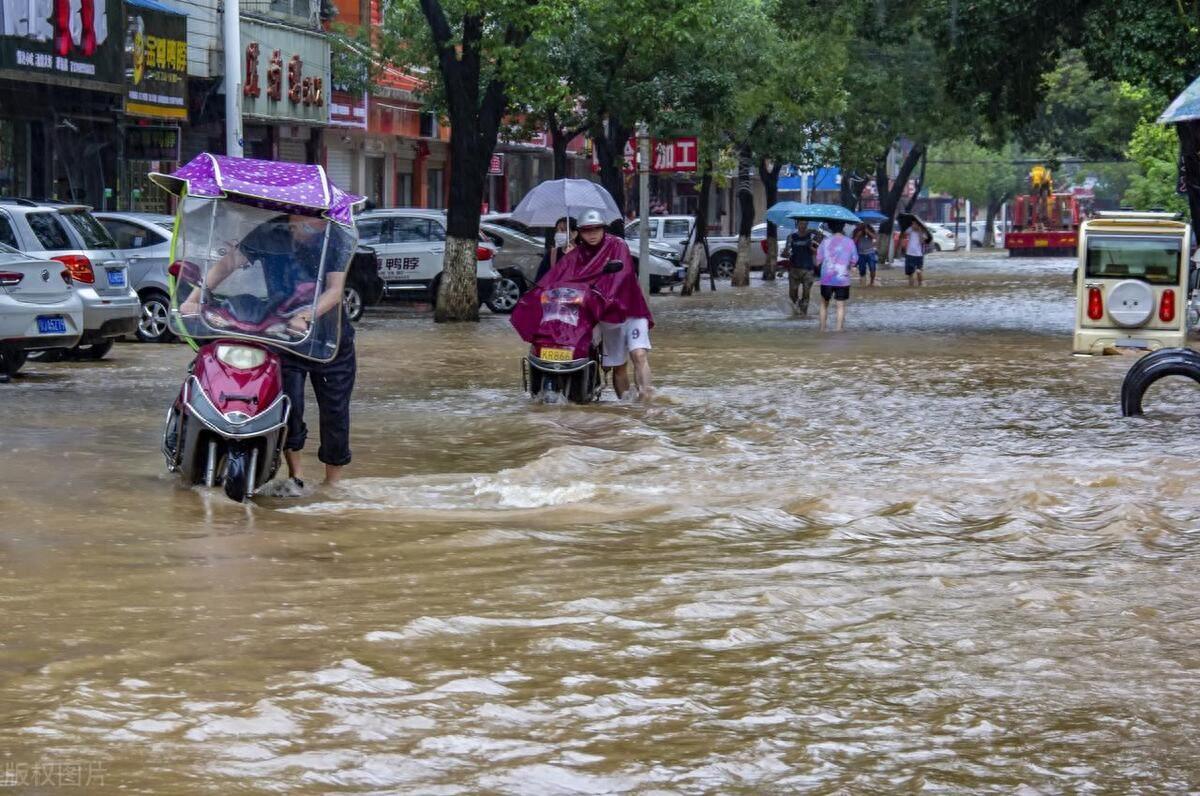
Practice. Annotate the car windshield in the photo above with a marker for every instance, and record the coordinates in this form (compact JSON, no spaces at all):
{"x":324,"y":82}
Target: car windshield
{"x":1153,"y":259}
{"x":94,"y":235}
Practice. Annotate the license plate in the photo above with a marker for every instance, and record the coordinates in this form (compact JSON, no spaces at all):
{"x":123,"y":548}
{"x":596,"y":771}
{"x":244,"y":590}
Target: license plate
{"x":1041,"y":243}
{"x":1131,"y":343}
{"x":557,"y":354}
{"x":116,"y":278}
{"x":51,"y":324}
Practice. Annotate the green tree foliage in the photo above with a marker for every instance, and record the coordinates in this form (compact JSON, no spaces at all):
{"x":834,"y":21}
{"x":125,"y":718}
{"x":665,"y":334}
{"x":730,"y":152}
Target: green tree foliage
{"x":1154,"y":148}
{"x":988,"y":177}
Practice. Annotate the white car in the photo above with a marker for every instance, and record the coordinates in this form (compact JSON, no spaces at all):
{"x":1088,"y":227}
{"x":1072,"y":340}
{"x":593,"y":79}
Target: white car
{"x":411,"y":245}
{"x":673,"y":231}
{"x":943,"y":238}
{"x":40,"y":310}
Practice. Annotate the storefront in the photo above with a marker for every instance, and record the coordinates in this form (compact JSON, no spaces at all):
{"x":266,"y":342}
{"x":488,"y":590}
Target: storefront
{"x":156,"y":100}
{"x":284,"y":84}
{"x":60,"y":101}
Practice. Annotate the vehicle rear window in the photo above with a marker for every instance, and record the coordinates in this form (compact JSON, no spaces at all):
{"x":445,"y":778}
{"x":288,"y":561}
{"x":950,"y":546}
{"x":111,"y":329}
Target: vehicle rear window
{"x":49,"y":231}
{"x":94,"y":235}
{"x":7,"y":236}
{"x":1151,"y":259}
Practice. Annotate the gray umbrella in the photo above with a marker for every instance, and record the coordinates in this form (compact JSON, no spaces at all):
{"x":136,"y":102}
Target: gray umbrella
{"x":550,"y":201}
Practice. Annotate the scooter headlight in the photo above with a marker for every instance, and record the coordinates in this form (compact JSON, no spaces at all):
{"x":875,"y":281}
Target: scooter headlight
{"x":241,"y":357}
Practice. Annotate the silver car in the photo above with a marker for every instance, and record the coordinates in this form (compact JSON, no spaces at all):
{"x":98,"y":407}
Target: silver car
{"x":38,"y":308}
{"x":144,"y":240}
{"x":73,"y":237}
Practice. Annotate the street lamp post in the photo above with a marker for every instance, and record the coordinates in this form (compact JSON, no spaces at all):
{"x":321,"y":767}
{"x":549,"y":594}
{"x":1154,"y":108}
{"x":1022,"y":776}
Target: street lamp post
{"x":233,"y":71}
{"x":643,"y":140}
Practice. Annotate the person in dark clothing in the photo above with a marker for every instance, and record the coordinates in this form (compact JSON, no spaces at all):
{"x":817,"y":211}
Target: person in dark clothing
{"x":802,"y":247}
{"x":564,"y":241}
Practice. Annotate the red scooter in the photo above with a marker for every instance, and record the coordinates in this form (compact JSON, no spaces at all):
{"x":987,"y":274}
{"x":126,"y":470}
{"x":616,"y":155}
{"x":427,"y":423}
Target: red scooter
{"x":253,"y":243}
{"x":564,"y":361}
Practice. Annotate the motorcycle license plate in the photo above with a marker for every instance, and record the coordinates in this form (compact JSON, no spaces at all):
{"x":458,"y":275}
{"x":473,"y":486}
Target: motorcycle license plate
{"x":557,"y":354}
{"x":51,"y":324}
{"x":116,"y":278}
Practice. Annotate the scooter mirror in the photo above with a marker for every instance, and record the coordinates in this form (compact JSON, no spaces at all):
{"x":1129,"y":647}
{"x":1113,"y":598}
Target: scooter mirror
{"x":613,"y":266}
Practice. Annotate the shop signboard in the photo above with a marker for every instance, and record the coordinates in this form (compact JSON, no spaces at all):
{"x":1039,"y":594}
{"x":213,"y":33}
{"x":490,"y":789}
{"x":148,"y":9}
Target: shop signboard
{"x":348,"y":109}
{"x":155,"y":61}
{"x":285,"y":73}
{"x":671,"y":155}
{"x":152,"y":142}
{"x":76,"y":43}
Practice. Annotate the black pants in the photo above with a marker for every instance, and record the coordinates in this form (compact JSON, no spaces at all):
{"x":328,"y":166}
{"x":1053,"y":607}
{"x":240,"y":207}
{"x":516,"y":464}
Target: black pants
{"x":332,"y":383}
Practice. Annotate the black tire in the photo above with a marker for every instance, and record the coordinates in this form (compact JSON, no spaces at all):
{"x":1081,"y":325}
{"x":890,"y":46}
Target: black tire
{"x":237,"y":481}
{"x":433,"y":290}
{"x":95,"y":351}
{"x":1152,"y":367}
{"x":352,"y":302}
{"x":49,"y":355}
{"x":152,"y":326}
{"x":13,"y":361}
{"x":723,"y":264}
{"x":506,"y":295}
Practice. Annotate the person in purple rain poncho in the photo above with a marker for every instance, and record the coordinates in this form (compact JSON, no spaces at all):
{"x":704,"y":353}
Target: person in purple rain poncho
{"x":626,"y":321}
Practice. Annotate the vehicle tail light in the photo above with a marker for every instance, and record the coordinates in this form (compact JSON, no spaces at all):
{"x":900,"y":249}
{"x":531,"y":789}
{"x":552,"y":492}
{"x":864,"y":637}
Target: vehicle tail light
{"x":1166,"y":306}
{"x":10,"y":278}
{"x":1095,"y":304}
{"x":483,"y":253}
{"x":66,"y":277}
{"x":79,"y":266}
{"x":763,"y":243}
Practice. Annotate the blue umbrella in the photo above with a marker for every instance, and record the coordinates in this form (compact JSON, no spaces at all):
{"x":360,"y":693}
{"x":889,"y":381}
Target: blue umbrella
{"x":785,"y":214}
{"x":1185,"y":107}
{"x":871,"y":216}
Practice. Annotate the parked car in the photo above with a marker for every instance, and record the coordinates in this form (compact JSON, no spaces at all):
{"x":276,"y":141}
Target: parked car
{"x":977,"y":230}
{"x":144,"y":240}
{"x":517,"y":258}
{"x":71,"y":235}
{"x":673,"y":232}
{"x":411,"y":245}
{"x":364,"y":285}
{"x":943,"y":238}
{"x":39,"y":308}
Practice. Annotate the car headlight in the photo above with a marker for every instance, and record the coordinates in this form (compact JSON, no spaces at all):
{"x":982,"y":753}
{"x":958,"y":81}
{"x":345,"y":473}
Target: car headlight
{"x":241,"y":357}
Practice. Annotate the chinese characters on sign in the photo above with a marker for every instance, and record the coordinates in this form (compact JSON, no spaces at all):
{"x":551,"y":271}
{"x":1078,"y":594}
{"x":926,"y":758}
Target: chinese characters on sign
{"x":152,"y":143}
{"x":286,"y":74}
{"x":676,"y":154}
{"x":156,"y":64}
{"x":71,"y":41}
{"x":302,"y":89}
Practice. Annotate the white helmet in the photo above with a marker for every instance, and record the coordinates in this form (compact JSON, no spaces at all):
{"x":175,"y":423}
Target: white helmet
{"x":591,"y":218}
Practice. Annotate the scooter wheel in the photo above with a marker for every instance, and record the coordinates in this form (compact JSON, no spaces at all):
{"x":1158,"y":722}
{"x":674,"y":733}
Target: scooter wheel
{"x":237,"y":475}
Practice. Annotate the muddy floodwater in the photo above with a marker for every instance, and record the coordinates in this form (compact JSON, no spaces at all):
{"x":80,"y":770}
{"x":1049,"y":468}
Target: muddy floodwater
{"x":924,"y":554}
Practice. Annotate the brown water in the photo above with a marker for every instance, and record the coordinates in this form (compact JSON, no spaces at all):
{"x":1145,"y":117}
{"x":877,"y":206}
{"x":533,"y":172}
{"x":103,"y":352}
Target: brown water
{"x":926,"y":554}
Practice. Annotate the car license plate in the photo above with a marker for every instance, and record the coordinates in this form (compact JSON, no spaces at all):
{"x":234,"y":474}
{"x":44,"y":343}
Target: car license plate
{"x":1129,"y":342}
{"x":116,"y":278}
{"x":1040,"y":243}
{"x":557,"y":354}
{"x":51,"y":324}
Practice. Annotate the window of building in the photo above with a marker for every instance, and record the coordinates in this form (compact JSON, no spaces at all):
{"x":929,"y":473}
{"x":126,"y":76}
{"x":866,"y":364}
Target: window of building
{"x":429,"y":125}
{"x":404,"y":193}
{"x":435,"y":194}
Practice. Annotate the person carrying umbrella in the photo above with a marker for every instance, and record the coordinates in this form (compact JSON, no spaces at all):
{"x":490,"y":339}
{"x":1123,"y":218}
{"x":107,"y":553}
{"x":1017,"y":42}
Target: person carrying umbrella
{"x":802,"y":246}
{"x":914,"y":237}
{"x":835,"y":257}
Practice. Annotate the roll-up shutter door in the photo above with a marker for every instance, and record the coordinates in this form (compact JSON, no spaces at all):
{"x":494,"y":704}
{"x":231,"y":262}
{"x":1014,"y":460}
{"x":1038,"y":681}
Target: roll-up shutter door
{"x":339,"y":167}
{"x":293,"y":151}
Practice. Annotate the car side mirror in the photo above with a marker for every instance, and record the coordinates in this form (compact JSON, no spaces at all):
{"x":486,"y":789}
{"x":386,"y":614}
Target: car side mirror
{"x":613,"y":266}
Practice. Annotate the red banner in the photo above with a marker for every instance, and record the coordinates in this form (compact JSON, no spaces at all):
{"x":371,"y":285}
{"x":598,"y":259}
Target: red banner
{"x":348,"y":110}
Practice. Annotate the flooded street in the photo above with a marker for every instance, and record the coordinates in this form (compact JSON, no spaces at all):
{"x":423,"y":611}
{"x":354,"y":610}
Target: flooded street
{"x":925,"y":554}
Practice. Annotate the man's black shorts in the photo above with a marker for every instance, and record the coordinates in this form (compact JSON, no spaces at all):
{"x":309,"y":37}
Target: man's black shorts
{"x":830,"y":292}
{"x":912,"y":264}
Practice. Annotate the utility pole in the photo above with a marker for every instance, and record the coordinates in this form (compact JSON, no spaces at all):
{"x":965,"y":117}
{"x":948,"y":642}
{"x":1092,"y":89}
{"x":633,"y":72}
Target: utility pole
{"x":231,"y":27}
{"x":643,"y":140}
{"x":968,"y":225}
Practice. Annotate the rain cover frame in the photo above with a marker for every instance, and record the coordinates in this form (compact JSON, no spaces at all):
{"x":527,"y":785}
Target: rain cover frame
{"x":268,"y":266}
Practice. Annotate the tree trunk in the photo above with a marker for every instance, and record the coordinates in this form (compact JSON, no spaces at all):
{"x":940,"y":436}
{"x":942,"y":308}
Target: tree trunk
{"x":610,"y":138}
{"x":770,"y":178}
{"x":699,"y":237}
{"x":851,"y":188}
{"x":1189,"y":155}
{"x":745,"y":193}
{"x":920,"y":184}
{"x":889,"y":196}
{"x":993,"y":210}
{"x":559,"y":139}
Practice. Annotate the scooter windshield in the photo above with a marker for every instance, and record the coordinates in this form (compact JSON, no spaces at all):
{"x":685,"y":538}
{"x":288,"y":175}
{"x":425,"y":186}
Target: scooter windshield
{"x":562,"y":304}
{"x":257,"y":274}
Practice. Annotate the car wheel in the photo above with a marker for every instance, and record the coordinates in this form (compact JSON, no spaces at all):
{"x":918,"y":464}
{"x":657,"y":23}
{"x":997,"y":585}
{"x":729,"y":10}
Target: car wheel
{"x":95,"y":351}
{"x":152,"y":326}
{"x":505,"y":297}
{"x":49,"y":355}
{"x":724,"y":264}
{"x":937,"y":247}
{"x":12,"y":361}
{"x":352,"y":302}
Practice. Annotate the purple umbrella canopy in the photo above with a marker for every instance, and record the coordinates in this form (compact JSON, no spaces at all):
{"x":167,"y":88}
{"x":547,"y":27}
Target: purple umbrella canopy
{"x":286,"y":187}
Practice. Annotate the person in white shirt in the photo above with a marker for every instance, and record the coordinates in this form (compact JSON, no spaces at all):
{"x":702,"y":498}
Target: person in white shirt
{"x":913,"y":238}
